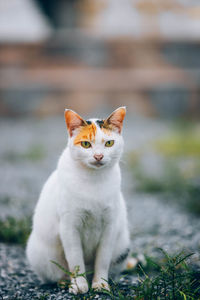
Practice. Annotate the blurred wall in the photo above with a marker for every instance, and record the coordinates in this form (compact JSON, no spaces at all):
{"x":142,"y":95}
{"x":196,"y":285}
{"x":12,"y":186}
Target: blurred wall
{"x":90,"y":55}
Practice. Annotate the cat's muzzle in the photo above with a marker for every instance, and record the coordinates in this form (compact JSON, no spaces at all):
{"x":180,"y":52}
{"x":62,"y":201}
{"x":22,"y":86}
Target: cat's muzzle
{"x":97,"y":163}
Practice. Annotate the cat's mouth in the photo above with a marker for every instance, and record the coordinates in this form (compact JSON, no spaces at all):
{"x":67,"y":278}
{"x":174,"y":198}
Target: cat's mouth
{"x":97,"y":163}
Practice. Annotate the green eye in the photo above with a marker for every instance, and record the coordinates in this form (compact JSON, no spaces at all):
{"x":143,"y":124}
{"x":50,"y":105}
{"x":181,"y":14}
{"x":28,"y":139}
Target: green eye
{"x":86,"y":144}
{"x":109,"y":143}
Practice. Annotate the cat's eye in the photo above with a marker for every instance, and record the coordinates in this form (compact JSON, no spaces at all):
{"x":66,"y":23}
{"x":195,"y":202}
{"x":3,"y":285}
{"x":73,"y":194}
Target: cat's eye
{"x":86,"y":144}
{"x":109,"y":143}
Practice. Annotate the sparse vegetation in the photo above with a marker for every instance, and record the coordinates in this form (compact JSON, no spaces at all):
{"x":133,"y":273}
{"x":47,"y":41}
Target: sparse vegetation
{"x":180,"y":174}
{"x":171,"y":279}
{"x":35,"y":153}
{"x":15,"y":231}
{"x":181,"y":143}
{"x":44,"y":297}
{"x":166,"y":277}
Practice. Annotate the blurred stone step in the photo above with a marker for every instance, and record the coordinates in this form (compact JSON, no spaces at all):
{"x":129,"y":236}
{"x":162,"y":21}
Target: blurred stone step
{"x":80,"y":71}
{"x":164,"y":92}
{"x":80,"y":50}
{"x":98,"y":79}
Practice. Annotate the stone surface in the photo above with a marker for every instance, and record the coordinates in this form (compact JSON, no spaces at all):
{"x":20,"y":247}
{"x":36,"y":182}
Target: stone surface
{"x":29,"y":152}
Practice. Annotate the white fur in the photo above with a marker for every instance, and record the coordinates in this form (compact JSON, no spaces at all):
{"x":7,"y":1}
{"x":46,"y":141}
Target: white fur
{"x":80,"y":218}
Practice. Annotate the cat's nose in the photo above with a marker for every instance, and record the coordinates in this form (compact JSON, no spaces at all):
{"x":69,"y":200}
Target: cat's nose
{"x":98,"y":157}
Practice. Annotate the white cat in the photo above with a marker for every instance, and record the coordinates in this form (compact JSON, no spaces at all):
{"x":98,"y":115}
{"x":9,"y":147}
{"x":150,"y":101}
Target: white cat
{"x":80,"y":218}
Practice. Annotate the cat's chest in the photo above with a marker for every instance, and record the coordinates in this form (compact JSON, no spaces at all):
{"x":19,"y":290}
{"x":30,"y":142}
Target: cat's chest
{"x":91,"y":227}
{"x":77,"y":185}
{"x":91,"y":190}
{"x":91,"y":220}
{"x":94,"y":214}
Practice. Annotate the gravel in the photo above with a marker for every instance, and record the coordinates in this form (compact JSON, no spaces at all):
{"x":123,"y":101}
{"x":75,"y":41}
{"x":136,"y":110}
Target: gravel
{"x":153,"y":223}
{"x":17,"y":281}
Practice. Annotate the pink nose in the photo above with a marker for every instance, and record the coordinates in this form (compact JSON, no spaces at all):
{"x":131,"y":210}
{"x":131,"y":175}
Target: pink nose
{"x":98,"y":157}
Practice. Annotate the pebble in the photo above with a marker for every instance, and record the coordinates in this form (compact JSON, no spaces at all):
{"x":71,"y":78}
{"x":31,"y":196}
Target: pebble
{"x":153,"y":222}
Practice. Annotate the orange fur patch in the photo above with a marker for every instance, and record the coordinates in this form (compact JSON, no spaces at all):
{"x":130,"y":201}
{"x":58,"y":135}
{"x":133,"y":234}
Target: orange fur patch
{"x":86,"y":133}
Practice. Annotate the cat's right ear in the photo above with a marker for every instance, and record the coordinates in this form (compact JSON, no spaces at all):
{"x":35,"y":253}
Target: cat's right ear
{"x":73,"y":121}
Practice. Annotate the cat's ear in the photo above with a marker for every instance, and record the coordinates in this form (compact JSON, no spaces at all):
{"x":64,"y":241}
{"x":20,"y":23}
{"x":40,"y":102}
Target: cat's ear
{"x":73,"y":121}
{"x":115,"y":120}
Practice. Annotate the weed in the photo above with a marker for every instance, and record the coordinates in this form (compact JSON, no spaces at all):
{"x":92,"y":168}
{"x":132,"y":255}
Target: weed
{"x":15,"y":231}
{"x":35,"y":153}
{"x":172,"y":183}
{"x":44,"y":297}
{"x":173,"y":279}
{"x":179,"y":169}
{"x":181,"y":143}
{"x":5,"y":200}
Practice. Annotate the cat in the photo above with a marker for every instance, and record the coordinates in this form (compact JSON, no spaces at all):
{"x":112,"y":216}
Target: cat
{"x":81,"y":218}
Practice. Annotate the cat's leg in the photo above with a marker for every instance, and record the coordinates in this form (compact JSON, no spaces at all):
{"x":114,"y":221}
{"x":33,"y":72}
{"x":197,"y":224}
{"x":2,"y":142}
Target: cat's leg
{"x":103,"y":259}
{"x":40,"y":255}
{"x":73,"y":253}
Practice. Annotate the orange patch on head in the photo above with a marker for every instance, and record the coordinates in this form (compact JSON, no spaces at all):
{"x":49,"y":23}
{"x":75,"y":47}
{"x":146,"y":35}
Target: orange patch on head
{"x":86,"y":133}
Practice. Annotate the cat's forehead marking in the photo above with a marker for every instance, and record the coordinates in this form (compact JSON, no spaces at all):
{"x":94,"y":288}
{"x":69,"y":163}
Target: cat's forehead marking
{"x":95,"y":130}
{"x":86,"y":133}
{"x":100,"y":123}
{"x":103,"y":127}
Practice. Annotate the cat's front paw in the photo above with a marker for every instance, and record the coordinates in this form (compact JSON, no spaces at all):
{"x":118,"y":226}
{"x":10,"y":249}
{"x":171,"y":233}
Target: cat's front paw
{"x":100,"y":285}
{"x":78,"y":285}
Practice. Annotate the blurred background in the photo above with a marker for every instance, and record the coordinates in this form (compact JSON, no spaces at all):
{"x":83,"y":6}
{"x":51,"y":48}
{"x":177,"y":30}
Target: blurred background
{"x":93,"y":56}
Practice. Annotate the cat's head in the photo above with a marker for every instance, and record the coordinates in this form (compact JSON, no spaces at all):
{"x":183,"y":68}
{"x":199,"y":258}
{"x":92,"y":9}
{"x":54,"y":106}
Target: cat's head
{"x":95,"y":143}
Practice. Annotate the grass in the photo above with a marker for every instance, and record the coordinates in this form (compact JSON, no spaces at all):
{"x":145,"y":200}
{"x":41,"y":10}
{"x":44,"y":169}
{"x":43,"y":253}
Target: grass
{"x":44,"y":297}
{"x":173,"y":183}
{"x":171,"y":279}
{"x":182,"y":143}
{"x":15,"y":231}
{"x":180,"y":174}
{"x":35,"y":153}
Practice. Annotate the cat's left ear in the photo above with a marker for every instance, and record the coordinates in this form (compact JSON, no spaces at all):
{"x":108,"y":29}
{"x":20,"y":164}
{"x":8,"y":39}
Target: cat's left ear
{"x":73,"y":121}
{"x":115,"y":120}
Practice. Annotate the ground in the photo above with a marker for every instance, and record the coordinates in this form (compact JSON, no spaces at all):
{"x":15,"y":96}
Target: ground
{"x":29,"y":151}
